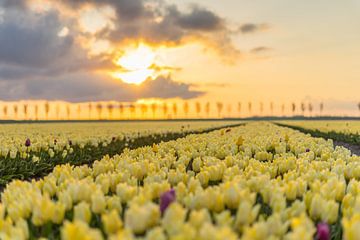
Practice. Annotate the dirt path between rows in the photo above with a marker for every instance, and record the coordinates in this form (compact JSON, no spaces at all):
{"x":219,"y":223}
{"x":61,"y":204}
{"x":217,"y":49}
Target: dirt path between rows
{"x":355,"y":149}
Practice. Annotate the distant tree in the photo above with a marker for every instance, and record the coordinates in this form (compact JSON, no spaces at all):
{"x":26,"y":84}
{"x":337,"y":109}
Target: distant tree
{"x":68,"y":111}
{"x":16,"y":108}
{"x":321,"y":108}
{"x":250,"y":107}
{"x":57,"y":111}
{"x":165,"y":109}
{"x":198,"y":108}
{"x":90,"y":110}
{"x":175,"y":109}
{"x":5,"y":111}
{"x":110,"y":108}
{"x":271,"y":108}
{"x":239,"y":108}
{"x":78,"y":111}
{"x":229,"y":110}
{"x":47,"y":110}
{"x":153,"y":109}
{"x":121,"y":109}
{"x":359,"y":106}
{"x":283,"y":109}
{"x":310,"y":107}
{"x":99,"y":110}
{"x":132,"y":108}
{"x":36,"y":111}
{"x":143,"y":109}
{"x":219,"y":107}
{"x":261,"y":107}
{"x":303,"y":108}
{"x":25,"y":111}
{"x":207,"y":109}
{"x":186,"y":108}
{"x":293,"y":108}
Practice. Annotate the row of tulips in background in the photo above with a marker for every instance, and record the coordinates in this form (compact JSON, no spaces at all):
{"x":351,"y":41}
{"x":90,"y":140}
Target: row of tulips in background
{"x":344,"y":131}
{"x":119,"y":110}
{"x":228,"y":184}
{"x":32,"y":150}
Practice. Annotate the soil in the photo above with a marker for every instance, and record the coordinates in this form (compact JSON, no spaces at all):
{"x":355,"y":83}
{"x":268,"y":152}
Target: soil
{"x":355,"y":149}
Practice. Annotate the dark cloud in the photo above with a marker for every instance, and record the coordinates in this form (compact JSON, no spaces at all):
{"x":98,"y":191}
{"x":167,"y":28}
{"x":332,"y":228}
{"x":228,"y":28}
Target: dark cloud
{"x":129,"y":9}
{"x":31,"y":48}
{"x":200,"y":19}
{"x":160,"y":23}
{"x":126,"y":9}
{"x":31,"y":40}
{"x":260,"y":49}
{"x":165,"y":87}
{"x":86,"y":87}
{"x":252,"y":27}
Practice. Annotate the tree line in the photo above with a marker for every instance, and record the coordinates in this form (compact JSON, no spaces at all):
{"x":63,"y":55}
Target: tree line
{"x":119,"y":110}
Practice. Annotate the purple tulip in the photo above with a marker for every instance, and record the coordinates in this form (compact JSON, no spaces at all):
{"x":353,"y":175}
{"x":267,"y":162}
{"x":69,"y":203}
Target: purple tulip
{"x":55,"y":141}
{"x":27,"y":143}
{"x":70,"y":142}
{"x":113,"y":139}
{"x":307,"y":150}
{"x":323,"y":231}
{"x":166,"y":199}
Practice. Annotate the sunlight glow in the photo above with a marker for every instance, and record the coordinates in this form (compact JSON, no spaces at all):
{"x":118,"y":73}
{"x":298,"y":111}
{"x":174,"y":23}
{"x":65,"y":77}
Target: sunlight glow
{"x":150,"y":101}
{"x":137,"y":65}
{"x":134,"y":77}
{"x":141,"y":58}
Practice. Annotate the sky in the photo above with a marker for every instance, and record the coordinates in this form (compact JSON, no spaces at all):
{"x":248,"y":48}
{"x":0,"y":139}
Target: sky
{"x":258,"y":51}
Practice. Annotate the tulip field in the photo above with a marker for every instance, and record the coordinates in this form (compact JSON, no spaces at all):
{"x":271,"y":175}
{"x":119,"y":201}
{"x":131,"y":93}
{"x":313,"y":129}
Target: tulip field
{"x":33,"y":150}
{"x":177,"y":180}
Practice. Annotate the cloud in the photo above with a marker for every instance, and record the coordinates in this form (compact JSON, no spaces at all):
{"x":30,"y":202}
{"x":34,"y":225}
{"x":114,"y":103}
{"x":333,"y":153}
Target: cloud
{"x":127,"y":10}
{"x":260,"y":49}
{"x":160,"y":23}
{"x":155,"y":22}
{"x":32,"y":40}
{"x":252,"y":27}
{"x":200,"y":19}
{"x":90,"y":87}
{"x":165,"y":87}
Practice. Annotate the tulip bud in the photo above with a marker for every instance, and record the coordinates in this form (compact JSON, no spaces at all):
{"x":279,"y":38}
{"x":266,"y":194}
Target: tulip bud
{"x":82,"y":212}
{"x":112,"y":222}
{"x":323,"y":231}
{"x":27,"y":143}
{"x":166,"y":199}
{"x":98,"y":202}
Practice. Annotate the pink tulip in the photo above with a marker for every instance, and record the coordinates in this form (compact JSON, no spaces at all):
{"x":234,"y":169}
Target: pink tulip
{"x":323,"y":231}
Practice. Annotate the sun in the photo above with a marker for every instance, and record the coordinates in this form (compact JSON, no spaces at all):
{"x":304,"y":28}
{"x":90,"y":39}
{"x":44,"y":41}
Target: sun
{"x":136,"y":64}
